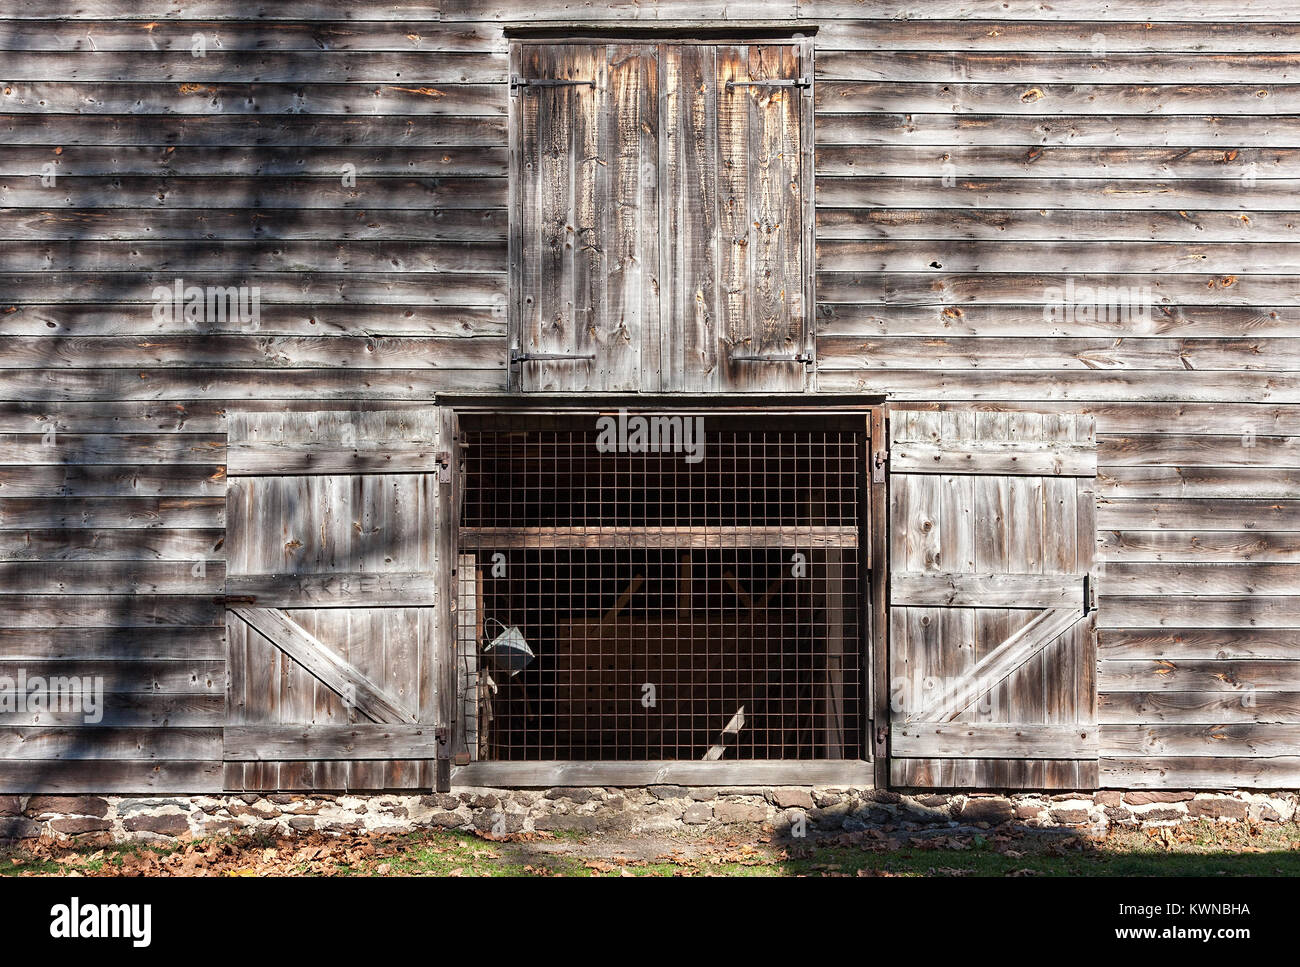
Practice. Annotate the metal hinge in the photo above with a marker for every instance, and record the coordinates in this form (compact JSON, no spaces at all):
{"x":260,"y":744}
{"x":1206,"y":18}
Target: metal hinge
{"x":1089,"y":595}
{"x":878,"y":466}
{"x":518,"y":82}
{"x":517,"y":357}
{"x":443,"y":459}
{"x":230,"y":600}
{"x":805,"y":358}
{"x":442,"y":734}
{"x":791,"y":82}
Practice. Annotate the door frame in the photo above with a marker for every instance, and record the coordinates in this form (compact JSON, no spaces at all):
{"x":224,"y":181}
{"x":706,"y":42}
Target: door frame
{"x":872,"y":602}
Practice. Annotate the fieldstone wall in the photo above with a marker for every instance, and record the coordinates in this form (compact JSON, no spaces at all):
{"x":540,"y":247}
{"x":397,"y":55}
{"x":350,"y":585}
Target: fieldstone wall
{"x":653,"y":809}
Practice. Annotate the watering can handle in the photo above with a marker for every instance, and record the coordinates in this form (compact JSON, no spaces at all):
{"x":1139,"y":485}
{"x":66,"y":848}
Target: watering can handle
{"x":485,"y":625}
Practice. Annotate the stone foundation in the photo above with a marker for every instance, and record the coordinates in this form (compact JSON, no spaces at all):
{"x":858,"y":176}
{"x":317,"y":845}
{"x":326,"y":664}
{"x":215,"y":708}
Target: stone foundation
{"x":653,"y":809}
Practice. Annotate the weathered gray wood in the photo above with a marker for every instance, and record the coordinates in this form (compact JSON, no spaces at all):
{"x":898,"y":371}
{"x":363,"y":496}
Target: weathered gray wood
{"x":937,"y":589}
{"x":1277,"y":772}
{"x":1182,"y":741}
{"x":334,"y":589}
{"x":1199,"y":675}
{"x":1198,"y":708}
{"x":1193,"y":643}
{"x":736,"y":773}
{"x":255,"y":743}
{"x":691,"y":537}
{"x":77,"y":744}
{"x":335,"y":673}
{"x":104,"y":776}
{"x":994,"y":740}
{"x":994,"y":457}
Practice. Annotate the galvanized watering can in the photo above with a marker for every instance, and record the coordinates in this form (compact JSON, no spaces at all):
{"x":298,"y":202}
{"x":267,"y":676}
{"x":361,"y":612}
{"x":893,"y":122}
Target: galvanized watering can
{"x":509,"y":651}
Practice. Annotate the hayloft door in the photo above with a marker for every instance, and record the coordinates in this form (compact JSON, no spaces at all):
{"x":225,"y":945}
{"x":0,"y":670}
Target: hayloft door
{"x":340,"y":567}
{"x":992,"y":669}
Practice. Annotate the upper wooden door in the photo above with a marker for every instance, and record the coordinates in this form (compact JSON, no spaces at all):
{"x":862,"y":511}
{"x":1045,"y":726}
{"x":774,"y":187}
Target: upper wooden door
{"x":737,"y":223}
{"x":661,"y":219}
{"x":992,"y":633}
{"x":339,"y":582}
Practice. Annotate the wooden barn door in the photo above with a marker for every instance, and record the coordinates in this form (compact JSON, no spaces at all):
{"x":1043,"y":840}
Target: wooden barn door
{"x":339,"y":589}
{"x":992,"y":633}
{"x":583,"y":247}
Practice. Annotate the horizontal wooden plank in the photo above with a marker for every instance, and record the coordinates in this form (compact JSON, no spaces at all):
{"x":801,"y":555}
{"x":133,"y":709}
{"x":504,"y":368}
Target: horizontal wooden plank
{"x":1091,"y":385}
{"x":112,"y":544}
{"x":97,"y":743}
{"x":1228,"y":482}
{"x":112,"y":480}
{"x":111,"y":776}
{"x":1036,"y":160}
{"x":961,"y":288}
{"x":1200,"y":611}
{"x":221,"y":131}
{"x":1197,"y":708}
{"x":862,"y":321}
{"x":918,"y":352}
{"x":1181,"y":741}
{"x":1246,"y":545}
{"x":1034,"y":33}
{"x":20,"y":513}
{"x":113,"y":644}
{"x":1027,"y":97}
{"x":269,"y":160}
{"x":112,"y":577}
{"x":247,"y":224}
{"x":993,"y":740}
{"x":273,"y":459}
{"x":64,"y":449}
{"x":255,"y":743}
{"x":1198,"y":675}
{"x":82,"y":684}
{"x":734,"y":773}
{"x":1205,"y":228}
{"x":1029,"y":457}
{"x":963,"y":774}
{"x":1202,"y":449}
{"x":1205,"y":643}
{"x":701,"y":537}
{"x":1197,"y":11}
{"x":1202,"y":514}
{"x":1143,"y":417}
{"x":936,"y":589}
{"x":1082,"y":130}
{"x":1081,"y":257}
{"x":333,"y":590}
{"x":1235,"y":578}
{"x":278,"y":192}
{"x":944,"y":190}
{"x":108,"y":416}
{"x":1278,"y":772}
{"x":229,"y":93}
{"x":108,"y":611}
{"x":128,"y":319}
{"x":291,"y":288}
{"x":181,"y":383}
{"x":1054,"y":67}
{"x":282,"y":67}
{"x":240,"y":31}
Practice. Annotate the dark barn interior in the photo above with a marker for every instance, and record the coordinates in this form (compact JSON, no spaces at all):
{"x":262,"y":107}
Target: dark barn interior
{"x":697,"y":605}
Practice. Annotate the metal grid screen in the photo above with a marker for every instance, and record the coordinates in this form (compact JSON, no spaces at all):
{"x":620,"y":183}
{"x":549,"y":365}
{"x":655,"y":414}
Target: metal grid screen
{"x":697,"y":603}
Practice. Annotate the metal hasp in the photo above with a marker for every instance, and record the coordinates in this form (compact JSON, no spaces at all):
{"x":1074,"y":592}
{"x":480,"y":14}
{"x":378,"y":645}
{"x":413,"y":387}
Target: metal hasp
{"x":787,"y":82}
{"x":805,"y":358}
{"x":518,"y":82}
{"x":517,"y":357}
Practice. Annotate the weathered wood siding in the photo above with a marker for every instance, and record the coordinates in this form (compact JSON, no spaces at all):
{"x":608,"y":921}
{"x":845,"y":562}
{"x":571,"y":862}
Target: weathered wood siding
{"x":965,"y":164}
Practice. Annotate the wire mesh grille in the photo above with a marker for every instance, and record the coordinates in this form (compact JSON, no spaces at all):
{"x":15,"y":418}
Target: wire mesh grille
{"x":668,"y":608}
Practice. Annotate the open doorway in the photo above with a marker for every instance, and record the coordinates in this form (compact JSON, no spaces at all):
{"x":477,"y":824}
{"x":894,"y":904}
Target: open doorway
{"x":675,"y":586}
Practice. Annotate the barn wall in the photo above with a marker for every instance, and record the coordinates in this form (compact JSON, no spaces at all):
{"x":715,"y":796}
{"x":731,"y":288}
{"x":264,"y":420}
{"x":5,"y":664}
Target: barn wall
{"x":965,"y":165}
